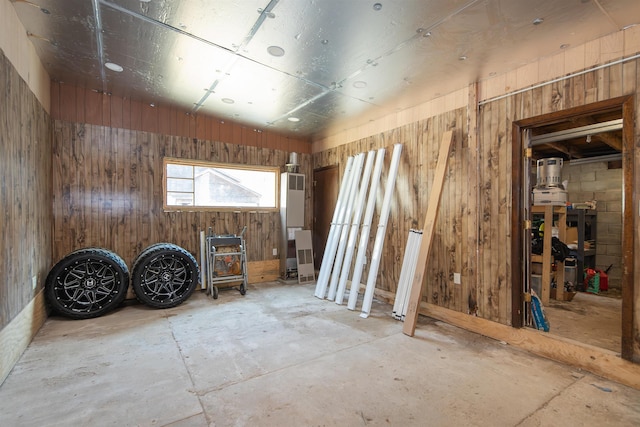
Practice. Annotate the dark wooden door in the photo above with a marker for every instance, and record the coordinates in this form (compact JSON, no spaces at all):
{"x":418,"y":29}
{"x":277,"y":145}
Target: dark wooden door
{"x":325,"y":197}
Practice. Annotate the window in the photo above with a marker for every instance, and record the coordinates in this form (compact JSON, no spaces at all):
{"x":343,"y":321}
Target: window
{"x":217,"y":185}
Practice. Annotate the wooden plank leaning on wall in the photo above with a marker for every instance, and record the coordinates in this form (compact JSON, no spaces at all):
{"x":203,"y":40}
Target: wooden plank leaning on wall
{"x":411,"y":319}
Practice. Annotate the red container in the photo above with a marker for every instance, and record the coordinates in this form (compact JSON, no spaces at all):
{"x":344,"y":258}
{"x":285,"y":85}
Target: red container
{"x":604,"y":280}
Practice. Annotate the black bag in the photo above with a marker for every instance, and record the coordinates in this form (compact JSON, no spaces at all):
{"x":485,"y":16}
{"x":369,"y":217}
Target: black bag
{"x":559,"y":250}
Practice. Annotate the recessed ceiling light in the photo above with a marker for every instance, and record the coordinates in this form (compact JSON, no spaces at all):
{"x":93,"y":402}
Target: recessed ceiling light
{"x":564,"y":45}
{"x":537,"y":21}
{"x":293,"y":119}
{"x":377,"y":6}
{"x":227,"y":100}
{"x":114,"y":67}
{"x":275,"y":51}
{"x":324,"y":41}
{"x":462,"y":57}
{"x":359,"y":84}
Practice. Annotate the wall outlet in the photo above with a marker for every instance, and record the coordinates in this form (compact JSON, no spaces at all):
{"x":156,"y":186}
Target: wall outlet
{"x":34,"y":282}
{"x":275,"y":251}
{"x":456,"y":279}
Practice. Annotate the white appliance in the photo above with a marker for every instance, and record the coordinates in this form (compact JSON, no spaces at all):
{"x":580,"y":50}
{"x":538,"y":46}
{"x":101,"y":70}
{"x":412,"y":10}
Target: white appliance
{"x":292,"y":187}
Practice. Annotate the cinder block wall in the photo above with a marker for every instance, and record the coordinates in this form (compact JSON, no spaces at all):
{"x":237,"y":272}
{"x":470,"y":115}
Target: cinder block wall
{"x":595,"y":181}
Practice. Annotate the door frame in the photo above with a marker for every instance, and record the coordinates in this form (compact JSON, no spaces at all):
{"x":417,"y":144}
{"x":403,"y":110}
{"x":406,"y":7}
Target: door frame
{"x":626,"y":104}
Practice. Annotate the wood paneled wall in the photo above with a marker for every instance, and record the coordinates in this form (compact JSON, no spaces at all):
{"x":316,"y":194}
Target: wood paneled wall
{"x":474,"y":224}
{"x":25,"y":193}
{"x":598,"y":85}
{"x":107,"y":186}
{"x":453,"y":248}
{"x":79,"y":105}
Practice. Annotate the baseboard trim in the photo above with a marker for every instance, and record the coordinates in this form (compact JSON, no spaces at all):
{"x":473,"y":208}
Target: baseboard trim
{"x":16,"y":336}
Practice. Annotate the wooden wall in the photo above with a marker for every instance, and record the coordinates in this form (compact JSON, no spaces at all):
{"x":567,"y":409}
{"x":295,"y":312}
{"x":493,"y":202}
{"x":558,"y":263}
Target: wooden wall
{"x":455,"y":238}
{"x":598,"y":85}
{"x":79,"y":105}
{"x":474,"y":225}
{"x":107,"y":178}
{"x":25,"y":194}
{"x":107,"y":186}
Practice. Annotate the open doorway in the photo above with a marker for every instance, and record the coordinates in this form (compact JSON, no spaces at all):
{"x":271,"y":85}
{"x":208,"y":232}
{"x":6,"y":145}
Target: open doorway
{"x":325,"y":196}
{"x":585,"y":154}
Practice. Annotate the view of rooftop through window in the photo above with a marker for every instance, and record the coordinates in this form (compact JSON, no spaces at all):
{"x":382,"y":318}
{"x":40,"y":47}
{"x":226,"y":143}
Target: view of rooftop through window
{"x":200,"y":184}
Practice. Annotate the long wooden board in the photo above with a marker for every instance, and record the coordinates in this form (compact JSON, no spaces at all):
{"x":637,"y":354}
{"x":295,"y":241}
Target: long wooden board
{"x":411,"y":318}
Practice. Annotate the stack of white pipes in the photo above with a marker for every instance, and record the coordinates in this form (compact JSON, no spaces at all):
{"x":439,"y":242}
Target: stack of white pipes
{"x":409,"y":264}
{"x":341,"y":242}
{"x":334,"y":231}
{"x":365,"y":231}
{"x":382,"y":228}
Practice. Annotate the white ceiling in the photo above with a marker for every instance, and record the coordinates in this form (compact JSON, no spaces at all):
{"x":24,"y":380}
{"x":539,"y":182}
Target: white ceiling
{"x":340,"y":58}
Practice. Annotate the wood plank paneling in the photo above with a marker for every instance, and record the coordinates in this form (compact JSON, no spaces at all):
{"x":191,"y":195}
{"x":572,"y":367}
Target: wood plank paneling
{"x":17,"y":335}
{"x":415,"y":176}
{"x":26,"y":200}
{"x":79,"y":105}
{"x":92,"y":107}
{"x":68,"y":108}
{"x":112,"y":182}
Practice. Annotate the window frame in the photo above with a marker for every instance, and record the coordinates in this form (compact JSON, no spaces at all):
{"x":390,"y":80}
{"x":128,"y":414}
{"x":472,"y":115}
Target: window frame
{"x":211,"y":164}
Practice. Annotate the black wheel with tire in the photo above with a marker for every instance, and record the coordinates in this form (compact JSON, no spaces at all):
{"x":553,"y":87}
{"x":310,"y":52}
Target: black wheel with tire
{"x":164,"y":275}
{"x":243,"y":289}
{"x":215,"y":292}
{"x":87,"y":283}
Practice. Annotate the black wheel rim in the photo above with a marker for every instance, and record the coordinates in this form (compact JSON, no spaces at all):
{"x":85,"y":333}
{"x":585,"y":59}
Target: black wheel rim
{"x":166,"y":279}
{"x":86,"y":286}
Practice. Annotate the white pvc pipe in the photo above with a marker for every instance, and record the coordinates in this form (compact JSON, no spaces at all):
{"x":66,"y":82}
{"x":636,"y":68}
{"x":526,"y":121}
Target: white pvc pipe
{"x":382,"y":227}
{"x":334,"y":231}
{"x":203,"y":261}
{"x":412,"y":271}
{"x":344,"y":232}
{"x":365,"y":230}
{"x":402,"y":280}
{"x":355,"y":226}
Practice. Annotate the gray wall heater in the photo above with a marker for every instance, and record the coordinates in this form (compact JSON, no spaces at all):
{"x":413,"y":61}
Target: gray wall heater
{"x":292,"y":187}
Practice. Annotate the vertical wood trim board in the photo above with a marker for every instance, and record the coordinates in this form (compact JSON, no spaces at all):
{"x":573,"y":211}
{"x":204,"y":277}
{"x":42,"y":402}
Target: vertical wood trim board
{"x":16,"y":336}
{"x":433,"y":206}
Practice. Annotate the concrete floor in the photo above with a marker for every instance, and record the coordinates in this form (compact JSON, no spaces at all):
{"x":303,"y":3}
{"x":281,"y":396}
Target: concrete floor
{"x":590,"y":319}
{"x":280,"y":357}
